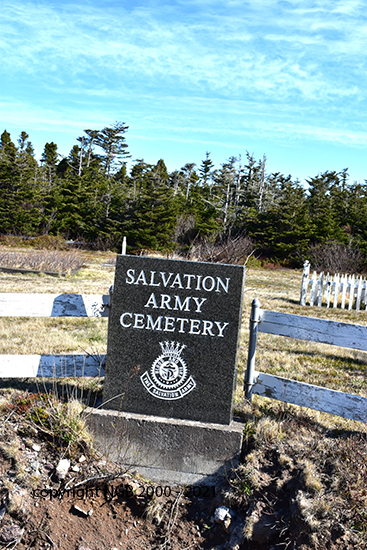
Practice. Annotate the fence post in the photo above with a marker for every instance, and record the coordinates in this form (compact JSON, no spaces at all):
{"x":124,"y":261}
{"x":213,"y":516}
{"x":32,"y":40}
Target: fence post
{"x":123,"y":251}
{"x":320,"y":290}
{"x":250,"y":370}
{"x":351,"y":291}
{"x":305,"y":276}
{"x":336,"y":290}
{"x":328,"y":289}
{"x":313,"y":288}
{"x":359,"y":293}
{"x":344,"y":283}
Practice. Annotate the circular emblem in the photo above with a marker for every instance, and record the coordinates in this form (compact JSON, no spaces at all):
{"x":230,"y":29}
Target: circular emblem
{"x":168,"y":376}
{"x":168,"y":372}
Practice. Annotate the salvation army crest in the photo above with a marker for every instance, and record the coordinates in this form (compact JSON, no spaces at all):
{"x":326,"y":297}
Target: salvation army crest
{"x":168,"y":376}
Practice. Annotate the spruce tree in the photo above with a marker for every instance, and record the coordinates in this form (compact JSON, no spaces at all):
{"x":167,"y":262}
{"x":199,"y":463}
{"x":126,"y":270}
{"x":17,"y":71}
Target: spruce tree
{"x":151,"y":217}
{"x":284,"y":230}
{"x":49,"y":160}
{"x":30,"y":198}
{"x":112,"y":141}
{"x":8,"y":184}
{"x":206,"y":170}
{"x":321,"y":207}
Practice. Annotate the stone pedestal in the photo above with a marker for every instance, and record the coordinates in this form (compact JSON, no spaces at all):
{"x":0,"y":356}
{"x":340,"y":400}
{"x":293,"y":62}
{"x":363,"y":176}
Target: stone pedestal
{"x":167,"y":450}
{"x":171,"y":370}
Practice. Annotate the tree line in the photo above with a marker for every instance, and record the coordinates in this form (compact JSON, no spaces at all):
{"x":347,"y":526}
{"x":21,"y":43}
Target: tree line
{"x":91,"y":195}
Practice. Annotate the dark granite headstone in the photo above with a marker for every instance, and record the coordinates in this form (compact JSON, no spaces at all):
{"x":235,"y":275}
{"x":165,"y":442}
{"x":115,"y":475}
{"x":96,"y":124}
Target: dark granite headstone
{"x":173,"y":337}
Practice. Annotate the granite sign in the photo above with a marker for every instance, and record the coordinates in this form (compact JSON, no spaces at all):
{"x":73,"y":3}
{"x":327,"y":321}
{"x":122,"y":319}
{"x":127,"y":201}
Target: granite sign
{"x":172,"y":338}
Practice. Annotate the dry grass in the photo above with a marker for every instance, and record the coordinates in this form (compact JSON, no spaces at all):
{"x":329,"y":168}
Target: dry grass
{"x":320,"y":364}
{"x":61,"y":422}
{"x":279,"y":290}
{"x":57,"y":335}
{"x":42,"y":412}
{"x":313,"y":460}
{"x":306,"y":469}
{"x":316,"y":461}
{"x":25,"y":336}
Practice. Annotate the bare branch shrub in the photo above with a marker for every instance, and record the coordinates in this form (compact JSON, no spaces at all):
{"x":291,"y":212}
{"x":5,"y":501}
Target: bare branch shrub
{"x":48,"y":242}
{"x":229,"y":251}
{"x":11,"y":240}
{"x":53,"y":261}
{"x":336,"y":257}
{"x":105,"y":243}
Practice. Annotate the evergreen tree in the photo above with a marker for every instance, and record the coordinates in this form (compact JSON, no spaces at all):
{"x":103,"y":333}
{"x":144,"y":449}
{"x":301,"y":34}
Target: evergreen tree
{"x":321,"y":207}
{"x":26,"y":164}
{"x":141,"y":176}
{"x":150,"y":217}
{"x":256,"y":193}
{"x":284,"y":230}
{"x":49,"y":160}
{"x":356,"y":220}
{"x":153,"y":220}
{"x":340,"y":196}
{"x":8,"y":152}
{"x":206,"y":170}
{"x":30,"y":198}
{"x":203,"y":212}
{"x":188,"y":177}
{"x":21,"y":199}
{"x":89,"y":144}
{"x":160,"y":174}
{"x":176,"y":181}
{"x":91,"y":195}
{"x":113,"y":143}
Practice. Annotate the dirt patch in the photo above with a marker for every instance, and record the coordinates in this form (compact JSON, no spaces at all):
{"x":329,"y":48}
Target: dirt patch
{"x":290,"y":491}
{"x":103,"y":514}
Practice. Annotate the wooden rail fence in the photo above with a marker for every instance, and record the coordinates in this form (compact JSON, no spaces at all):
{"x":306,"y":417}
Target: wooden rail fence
{"x":290,"y":391}
{"x":52,"y":305}
{"x":271,"y":322}
{"x":344,"y":290}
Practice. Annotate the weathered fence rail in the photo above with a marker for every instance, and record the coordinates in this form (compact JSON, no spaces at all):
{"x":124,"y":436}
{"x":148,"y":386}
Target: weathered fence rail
{"x":344,"y":290}
{"x":270,"y":322}
{"x":52,"y":305}
{"x":298,"y":393}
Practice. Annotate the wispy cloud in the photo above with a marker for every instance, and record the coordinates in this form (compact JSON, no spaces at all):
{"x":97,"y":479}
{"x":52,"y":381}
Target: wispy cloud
{"x":284,"y":55}
{"x":28,"y":115}
{"x":207,"y":72}
{"x":228,"y":123}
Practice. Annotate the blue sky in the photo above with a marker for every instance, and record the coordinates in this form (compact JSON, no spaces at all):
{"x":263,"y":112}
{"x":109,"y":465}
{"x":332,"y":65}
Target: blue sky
{"x":281,"y":78}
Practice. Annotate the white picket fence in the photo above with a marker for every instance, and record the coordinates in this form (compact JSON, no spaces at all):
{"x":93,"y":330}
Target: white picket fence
{"x":348,"y":291}
{"x":299,"y":393}
{"x":52,"y":305}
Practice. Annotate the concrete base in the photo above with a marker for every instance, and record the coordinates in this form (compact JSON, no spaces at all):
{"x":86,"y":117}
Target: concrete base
{"x":167,"y":450}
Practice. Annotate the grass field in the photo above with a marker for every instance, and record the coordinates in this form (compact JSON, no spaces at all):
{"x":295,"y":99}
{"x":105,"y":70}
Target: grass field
{"x":311,"y":466}
{"x":277,"y":289}
{"x":320,"y":364}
